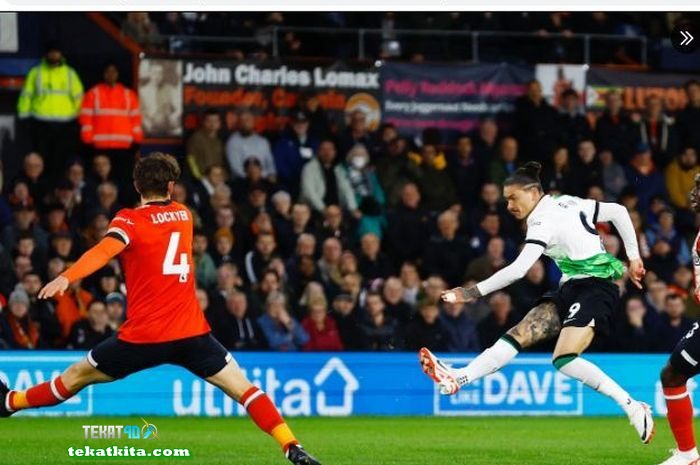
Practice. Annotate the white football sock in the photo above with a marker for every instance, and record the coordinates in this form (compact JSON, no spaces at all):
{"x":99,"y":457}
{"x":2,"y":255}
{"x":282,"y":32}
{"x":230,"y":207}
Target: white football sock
{"x":592,"y":376}
{"x":489,"y":361}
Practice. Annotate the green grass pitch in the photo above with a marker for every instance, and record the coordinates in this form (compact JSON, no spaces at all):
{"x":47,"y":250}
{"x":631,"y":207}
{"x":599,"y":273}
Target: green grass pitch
{"x":350,"y":441}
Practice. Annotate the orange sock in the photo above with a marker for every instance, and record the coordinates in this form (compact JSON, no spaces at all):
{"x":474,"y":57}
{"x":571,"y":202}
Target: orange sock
{"x":680,"y":417}
{"x":42,"y":395}
{"x":263,"y":412}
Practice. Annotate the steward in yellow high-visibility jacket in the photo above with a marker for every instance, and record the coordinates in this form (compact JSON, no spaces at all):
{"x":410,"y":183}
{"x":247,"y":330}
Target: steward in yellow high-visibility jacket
{"x":50,"y":103}
{"x":51,"y":92}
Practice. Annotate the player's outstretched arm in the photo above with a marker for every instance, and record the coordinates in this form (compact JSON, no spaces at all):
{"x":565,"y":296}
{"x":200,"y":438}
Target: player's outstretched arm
{"x":88,"y":263}
{"x":618,"y":216}
{"x":502,"y":278}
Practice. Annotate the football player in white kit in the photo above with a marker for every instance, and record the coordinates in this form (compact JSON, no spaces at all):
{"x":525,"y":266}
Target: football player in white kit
{"x":563,"y":228}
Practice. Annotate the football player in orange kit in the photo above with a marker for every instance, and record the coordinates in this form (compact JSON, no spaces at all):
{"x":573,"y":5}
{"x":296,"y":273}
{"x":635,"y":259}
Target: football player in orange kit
{"x":165,"y":323}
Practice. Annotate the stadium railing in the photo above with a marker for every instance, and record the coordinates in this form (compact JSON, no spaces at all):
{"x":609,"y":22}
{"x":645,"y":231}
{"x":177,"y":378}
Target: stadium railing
{"x":453,"y":45}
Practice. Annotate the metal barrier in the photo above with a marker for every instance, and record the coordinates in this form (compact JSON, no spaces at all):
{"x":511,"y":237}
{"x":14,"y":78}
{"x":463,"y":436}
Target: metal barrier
{"x":474,"y":46}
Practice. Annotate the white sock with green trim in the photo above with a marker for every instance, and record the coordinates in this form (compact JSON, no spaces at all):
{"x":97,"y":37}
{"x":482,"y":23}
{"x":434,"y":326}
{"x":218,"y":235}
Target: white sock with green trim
{"x":589,"y":374}
{"x":489,"y":361}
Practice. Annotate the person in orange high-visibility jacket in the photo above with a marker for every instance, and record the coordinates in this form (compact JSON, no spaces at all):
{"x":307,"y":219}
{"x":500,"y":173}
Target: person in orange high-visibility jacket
{"x":110,"y":122}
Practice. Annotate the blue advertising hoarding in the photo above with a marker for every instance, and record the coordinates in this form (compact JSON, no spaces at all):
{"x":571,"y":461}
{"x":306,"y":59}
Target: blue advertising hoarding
{"x":343,"y":384}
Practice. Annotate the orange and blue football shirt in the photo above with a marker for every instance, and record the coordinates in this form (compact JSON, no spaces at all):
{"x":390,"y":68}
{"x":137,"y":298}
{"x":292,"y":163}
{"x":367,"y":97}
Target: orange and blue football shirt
{"x":159,"y":272}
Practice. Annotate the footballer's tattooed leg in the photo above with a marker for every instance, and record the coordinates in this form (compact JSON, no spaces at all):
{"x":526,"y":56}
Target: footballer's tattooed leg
{"x":540,"y":324}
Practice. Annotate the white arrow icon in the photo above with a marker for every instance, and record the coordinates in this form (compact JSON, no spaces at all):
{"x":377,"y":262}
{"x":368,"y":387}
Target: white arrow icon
{"x":687,"y":38}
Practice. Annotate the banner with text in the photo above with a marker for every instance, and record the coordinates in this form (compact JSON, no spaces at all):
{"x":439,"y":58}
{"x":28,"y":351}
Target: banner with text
{"x":451,"y":98}
{"x":635,"y":87}
{"x":343,"y":384}
{"x":273,"y":89}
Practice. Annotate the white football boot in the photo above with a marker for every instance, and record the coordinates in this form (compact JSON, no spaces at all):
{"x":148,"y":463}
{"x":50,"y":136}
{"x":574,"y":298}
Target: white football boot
{"x":643,"y":421}
{"x":438,"y":372}
{"x":678,"y":458}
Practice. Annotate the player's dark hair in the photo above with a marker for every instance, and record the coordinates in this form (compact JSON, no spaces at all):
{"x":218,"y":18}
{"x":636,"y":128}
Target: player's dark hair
{"x":153,"y":173}
{"x":527,"y":175}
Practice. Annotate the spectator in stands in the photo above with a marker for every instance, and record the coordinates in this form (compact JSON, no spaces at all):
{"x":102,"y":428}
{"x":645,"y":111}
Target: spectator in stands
{"x":614,"y":178}
{"x":666,"y":231}
{"x":270,"y":283}
{"x":41,"y":311}
{"x":319,"y":123}
{"x":467,"y":174}
{"x":17,"y":329}
{"x":213,"y":179}
{"x":392,"y":169}
{"x":429,"y":171}
{"x":333,"y":224}
{"x":71,"y":306}
{"x":396,"y":307}
{"x":329,"y":265}
{"x":460,"y":328}
{"x":680,"y":179}
{"x":447,"y":253}
{"x":491,"y":261}
{"x":51,"y":97}
{"x":205,"y":270}
{"x":500,"y":319}
{"x":110,"y":122}
{"x":407,"y":227}
{"x":614,"y":130}
{"x":91,"y":330}
{"x":357,"y":132}
{"x":688,"y":119}
{"x":536,"y":124}
{"x":368,"y":193}
{"x":631,"y":335}
{"x":139,"y":28}
{"x":485,"y":140}
{"x":573,"y":122}
{"x":372,"y":262}
{"x":321,"y":328}
{"x":507,"y":161}
{"x":282,"y":332}
{"x":33,"y":175}
{"x":674,"y":324}
{"x":246,"y":143}
{"x":235,"y":328}
{"x":378,"y":328}
{"x":116,"y":309}
{"x":345,"y":316}
{"x":257,"y":260}
{"x":323,"y":182}
{"x":658,"y":131}
{"x":643,"y":175}
{"x":526,"y":292}
{"x":557,"y":176}
{"x":411,"y":282}
{"x":205,"y":148}
{"x":588,"y":169}
{"x":488,"y":227}
{"x":292,"y":151}
{"x":107,"y":282}
{"x":425,"y":330}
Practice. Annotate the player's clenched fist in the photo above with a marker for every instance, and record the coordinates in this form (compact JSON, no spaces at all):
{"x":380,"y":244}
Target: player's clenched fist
{"x":57,"y":286}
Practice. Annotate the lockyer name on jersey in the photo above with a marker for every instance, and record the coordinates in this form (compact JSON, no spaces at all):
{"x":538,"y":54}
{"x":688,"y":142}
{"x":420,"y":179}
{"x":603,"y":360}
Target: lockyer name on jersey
{"x":167,"y":217}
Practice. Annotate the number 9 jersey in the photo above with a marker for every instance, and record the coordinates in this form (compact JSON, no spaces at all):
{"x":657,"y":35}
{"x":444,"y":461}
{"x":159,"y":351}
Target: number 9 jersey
{"x":159,"y":272}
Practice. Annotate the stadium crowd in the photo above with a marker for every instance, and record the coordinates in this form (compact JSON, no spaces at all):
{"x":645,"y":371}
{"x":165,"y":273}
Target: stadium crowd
{"x":398,"y":34}
{"x":315,"y":241}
